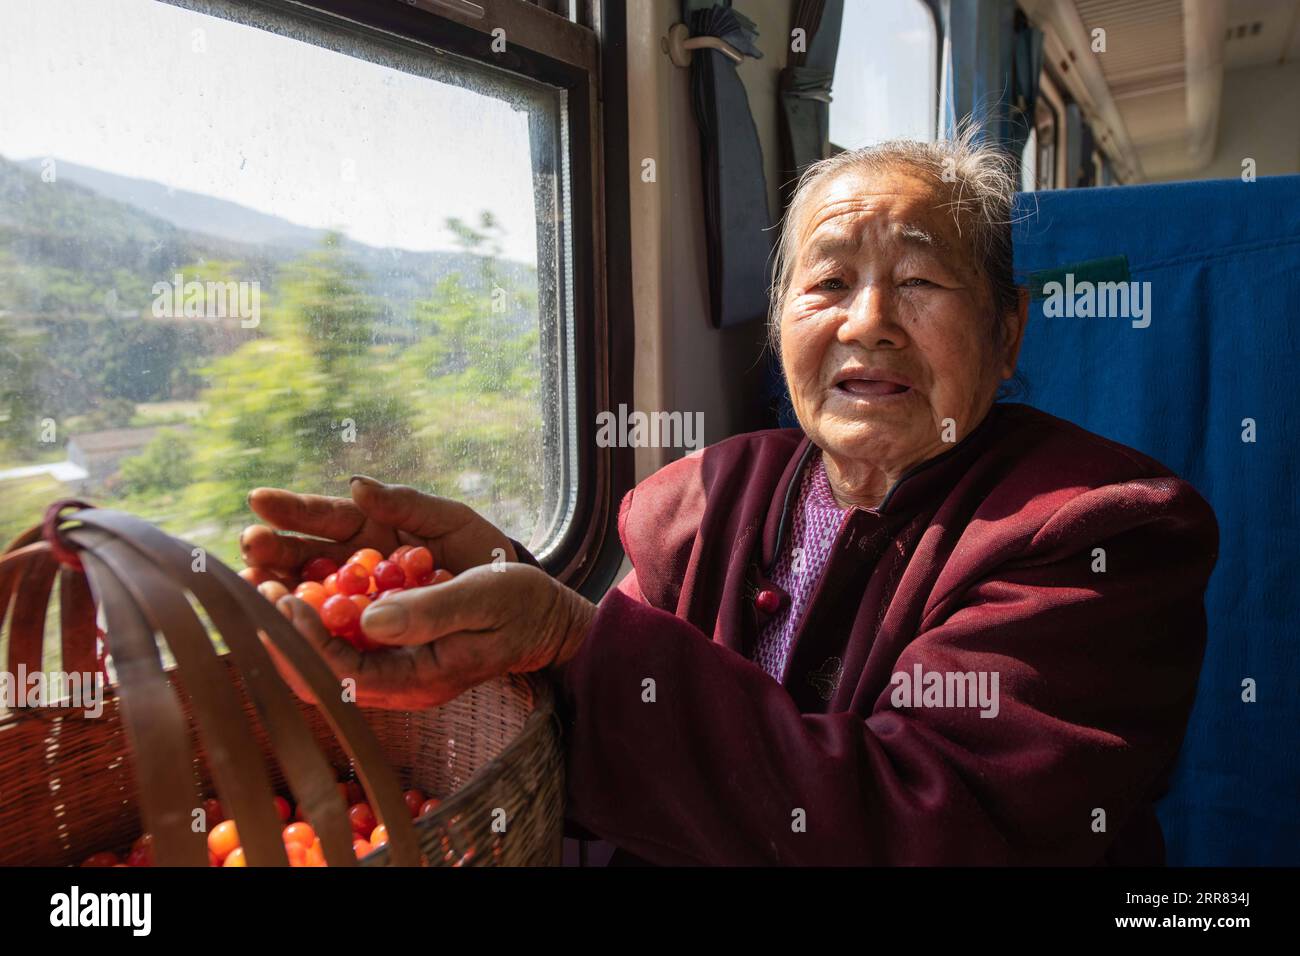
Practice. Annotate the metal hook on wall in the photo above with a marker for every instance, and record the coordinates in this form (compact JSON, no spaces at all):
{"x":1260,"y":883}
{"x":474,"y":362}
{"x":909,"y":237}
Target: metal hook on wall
{"x":680,"y":43}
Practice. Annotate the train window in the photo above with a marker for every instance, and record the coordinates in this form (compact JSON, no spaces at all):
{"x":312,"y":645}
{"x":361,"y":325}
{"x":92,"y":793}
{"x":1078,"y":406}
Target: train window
{"x":1029,"y":162}
{"x":886,"y":69}
{"x":1044,"y":141}
{"x":1050,"y":134}
{"x":245,"y":247}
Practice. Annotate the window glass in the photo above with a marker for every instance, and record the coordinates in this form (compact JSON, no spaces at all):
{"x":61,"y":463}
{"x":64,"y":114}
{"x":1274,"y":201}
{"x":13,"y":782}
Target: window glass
{"x":240,"y":249}
{"x":1045,"y":130}
{"x":1029,"y":162}
{"x":885,"y":73}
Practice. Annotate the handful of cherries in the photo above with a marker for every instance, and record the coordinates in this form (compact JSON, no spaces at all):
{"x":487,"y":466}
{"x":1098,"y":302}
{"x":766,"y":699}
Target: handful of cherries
{"x":340,"y":594}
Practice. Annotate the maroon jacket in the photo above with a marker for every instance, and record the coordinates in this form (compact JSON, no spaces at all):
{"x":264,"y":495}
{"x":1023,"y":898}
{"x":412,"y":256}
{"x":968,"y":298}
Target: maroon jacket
{"x":979,"y":560}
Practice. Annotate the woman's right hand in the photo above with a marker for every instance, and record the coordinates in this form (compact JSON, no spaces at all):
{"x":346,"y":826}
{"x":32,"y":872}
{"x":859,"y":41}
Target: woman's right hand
{"x":377,"y":516}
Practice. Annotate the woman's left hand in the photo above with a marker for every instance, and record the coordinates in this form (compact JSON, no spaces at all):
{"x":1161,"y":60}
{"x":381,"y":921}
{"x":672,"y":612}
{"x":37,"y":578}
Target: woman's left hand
{"x":443,"y":639}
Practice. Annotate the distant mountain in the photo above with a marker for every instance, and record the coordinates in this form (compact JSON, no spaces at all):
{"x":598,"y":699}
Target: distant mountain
{"x":93,"y":243}
{"x":67,"y":251}
{"x":194,"y":212}
{"x":78,"y":267}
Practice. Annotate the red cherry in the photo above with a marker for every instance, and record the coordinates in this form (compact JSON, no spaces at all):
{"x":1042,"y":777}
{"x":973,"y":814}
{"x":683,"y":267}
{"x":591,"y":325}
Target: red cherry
{"x":398,"y":552}
{"x":417,"y":562}
{"x":300,"y":833}
{"x":313,"y":592}
{"x":141,"y":851}
{"x":361,"y":847}
{"x":367,"y":558}
{"x":441,"y":576}
{"x":389,"y":575}
{"x":212,"y":812}
{"x":315,"y":854}
{"x":413,"y":800}
{"x":339,"y":614}
{"x":362,"y":819}
{"x":433,"y":803}
{"x":223,"y":839}
{"x":352,"y":579}
{"x":283,"y":810}
{"x":318,"y":569}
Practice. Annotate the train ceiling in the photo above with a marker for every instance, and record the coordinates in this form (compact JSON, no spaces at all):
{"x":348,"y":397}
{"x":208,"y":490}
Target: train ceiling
{"x":1154,"y":97}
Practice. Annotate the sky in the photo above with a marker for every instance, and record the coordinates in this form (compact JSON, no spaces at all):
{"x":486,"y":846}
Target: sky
{"x":279,"y":125}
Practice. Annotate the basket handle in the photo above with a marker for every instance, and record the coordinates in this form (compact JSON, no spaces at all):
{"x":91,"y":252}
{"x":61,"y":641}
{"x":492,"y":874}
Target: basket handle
{"x":155,"y":725}
{"x":232,"y":604}
{"x":308,"y":773}
{"x":30,"y":572}
{"x":77,"y":616}
{"x":25,"y":568}
{"x":20,"y":565}
{"x":236,"y":762}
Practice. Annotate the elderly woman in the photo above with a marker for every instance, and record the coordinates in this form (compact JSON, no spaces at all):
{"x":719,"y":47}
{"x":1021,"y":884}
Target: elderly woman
{"x":923,"y":628}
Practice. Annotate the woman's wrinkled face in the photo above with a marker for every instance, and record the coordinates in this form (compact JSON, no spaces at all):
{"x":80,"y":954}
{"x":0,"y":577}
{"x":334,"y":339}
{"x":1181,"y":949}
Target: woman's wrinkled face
{"x":888,"y":337}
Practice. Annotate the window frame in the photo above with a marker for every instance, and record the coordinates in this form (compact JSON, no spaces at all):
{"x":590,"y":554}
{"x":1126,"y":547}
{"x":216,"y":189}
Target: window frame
{"x":548,"y":48}
{"x":1045,"y":175}
{"x":936,"y":116}
{"x":1049,"y":91}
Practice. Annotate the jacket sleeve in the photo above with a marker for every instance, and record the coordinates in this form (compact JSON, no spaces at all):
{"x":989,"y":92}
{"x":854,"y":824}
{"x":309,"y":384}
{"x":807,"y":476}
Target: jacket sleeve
{"x":683,"y":752}
{"x":632,"y":589}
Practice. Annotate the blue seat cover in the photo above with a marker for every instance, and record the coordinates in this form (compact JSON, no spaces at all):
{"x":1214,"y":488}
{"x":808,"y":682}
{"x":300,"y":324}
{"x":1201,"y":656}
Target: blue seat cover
{"x":1223,"y":260}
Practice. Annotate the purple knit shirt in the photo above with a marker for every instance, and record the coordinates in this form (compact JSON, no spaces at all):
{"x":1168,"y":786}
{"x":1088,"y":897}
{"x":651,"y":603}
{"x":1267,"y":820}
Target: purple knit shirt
{"x":817,"y":523}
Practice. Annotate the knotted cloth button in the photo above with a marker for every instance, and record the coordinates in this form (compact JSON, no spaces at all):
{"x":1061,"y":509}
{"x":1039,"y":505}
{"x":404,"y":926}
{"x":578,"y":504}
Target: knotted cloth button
{"x":767,"y":601}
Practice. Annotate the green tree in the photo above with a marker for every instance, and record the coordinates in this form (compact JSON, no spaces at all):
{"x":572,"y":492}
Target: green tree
{"x":20,"y":410}
{"x":21,"y":366}
{"x":474,"y":375}
{"x":163,"y":467}
{"x":309,"y":401}
{"x":111,"y":413}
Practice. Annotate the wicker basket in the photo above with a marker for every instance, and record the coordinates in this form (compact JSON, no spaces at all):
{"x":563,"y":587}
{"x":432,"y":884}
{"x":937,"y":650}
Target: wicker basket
{"x":72,"y":784}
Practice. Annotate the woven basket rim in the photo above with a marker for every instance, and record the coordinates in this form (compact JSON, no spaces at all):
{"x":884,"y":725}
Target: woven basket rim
{"x":538,"y":723}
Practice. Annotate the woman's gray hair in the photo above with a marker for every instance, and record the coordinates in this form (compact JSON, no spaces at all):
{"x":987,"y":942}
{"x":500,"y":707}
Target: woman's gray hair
{"x":979,"y":180}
